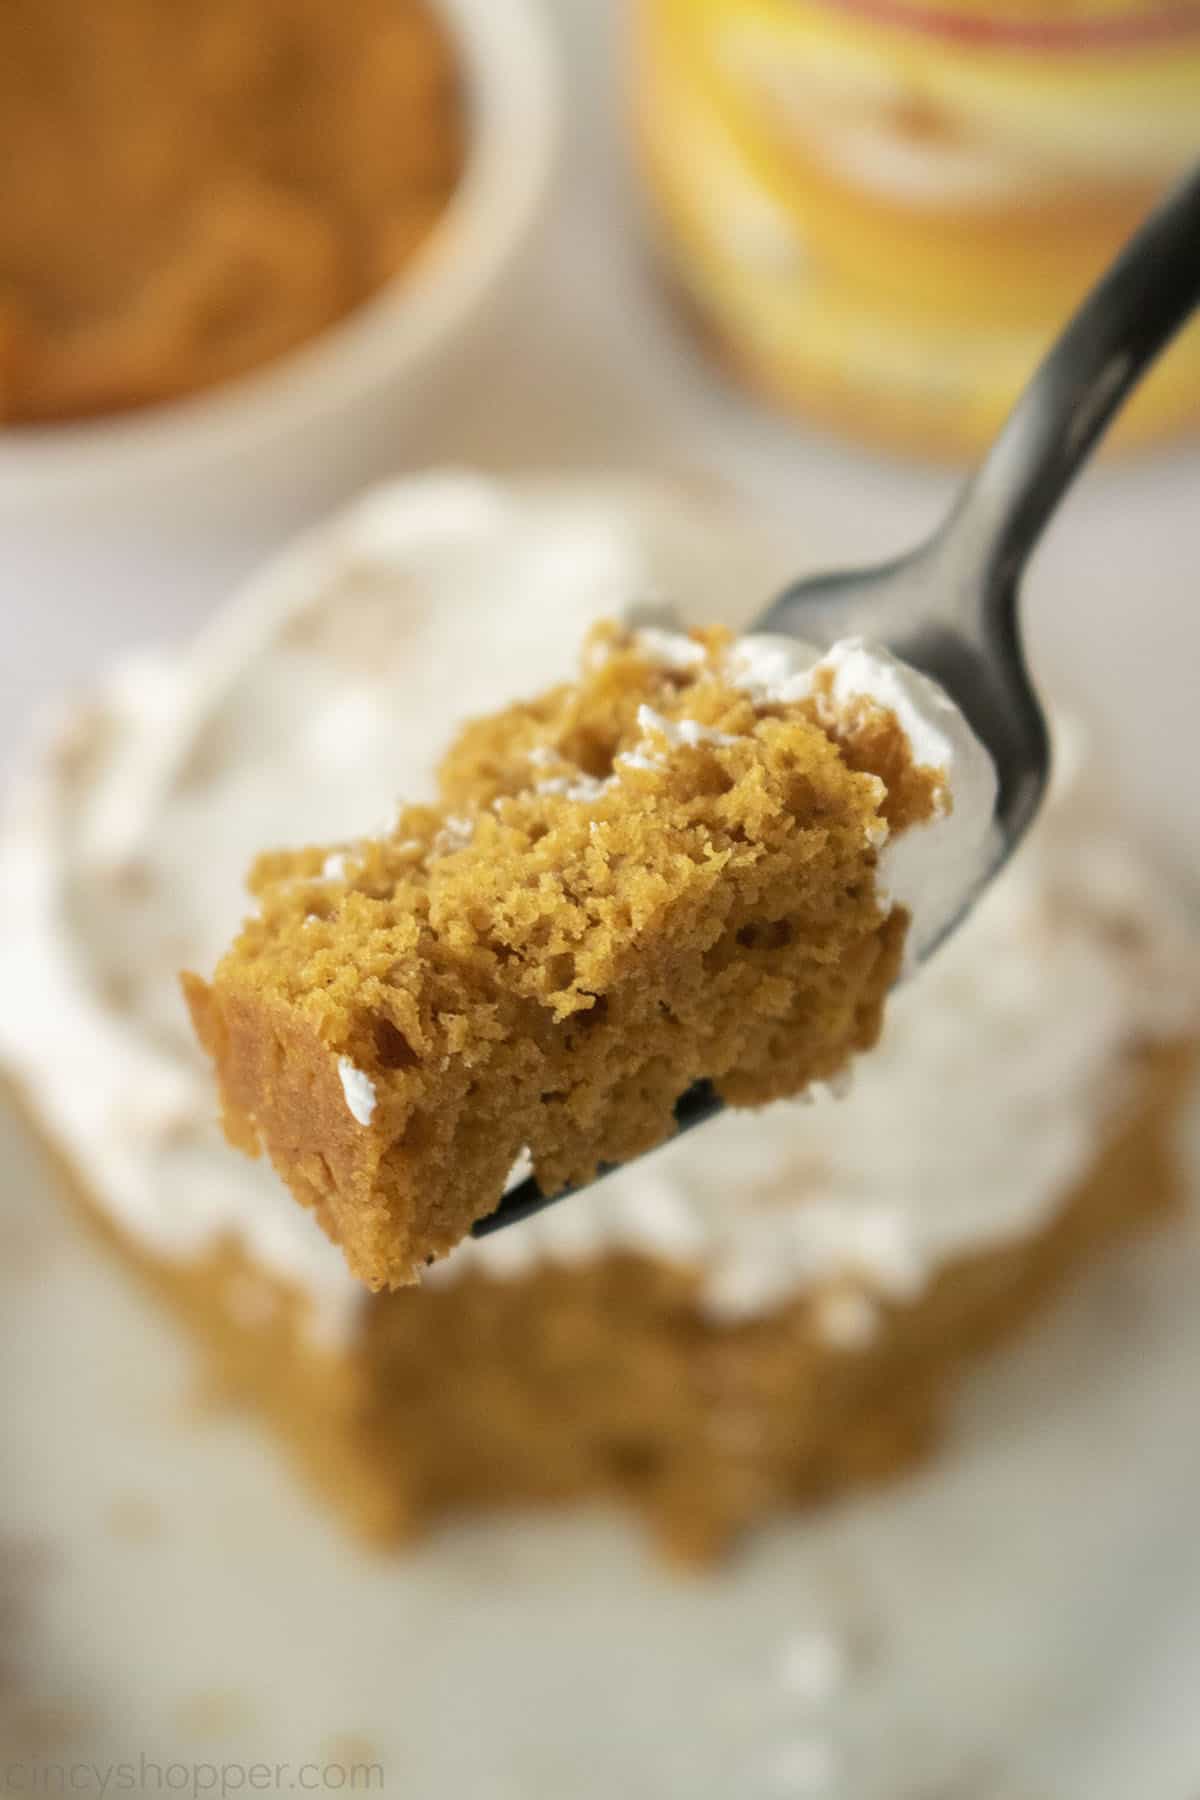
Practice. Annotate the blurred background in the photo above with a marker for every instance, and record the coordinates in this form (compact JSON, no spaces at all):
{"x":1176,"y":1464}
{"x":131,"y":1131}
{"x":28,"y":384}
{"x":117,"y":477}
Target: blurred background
{"x":572,"y":346}
{"x":806,"y":248}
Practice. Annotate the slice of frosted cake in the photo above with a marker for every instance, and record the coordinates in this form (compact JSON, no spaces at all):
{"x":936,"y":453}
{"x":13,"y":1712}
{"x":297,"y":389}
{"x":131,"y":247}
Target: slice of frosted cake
{"x":659,"y":873}
{"x":772,"y":1309}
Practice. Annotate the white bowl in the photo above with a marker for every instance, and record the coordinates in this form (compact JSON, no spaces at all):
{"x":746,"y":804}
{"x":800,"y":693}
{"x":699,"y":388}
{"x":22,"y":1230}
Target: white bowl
{"x":350,"y":389}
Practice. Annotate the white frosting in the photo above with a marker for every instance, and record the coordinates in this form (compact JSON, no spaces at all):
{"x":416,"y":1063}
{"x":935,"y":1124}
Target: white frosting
{"x":661,"y":735}
{"x":670,"y":649}
{"x":456,"y":832}
{"x":578,"y":787}
{"x":680,"y":731}
{"x":931,"y":869}
{"x":297,"y":718}
{"x":359,"y":1090}
{"x":521,"y":1170}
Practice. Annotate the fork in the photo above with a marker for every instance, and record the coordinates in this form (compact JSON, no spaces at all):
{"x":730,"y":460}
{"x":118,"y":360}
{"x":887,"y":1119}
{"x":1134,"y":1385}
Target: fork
{"x":950,"y":607}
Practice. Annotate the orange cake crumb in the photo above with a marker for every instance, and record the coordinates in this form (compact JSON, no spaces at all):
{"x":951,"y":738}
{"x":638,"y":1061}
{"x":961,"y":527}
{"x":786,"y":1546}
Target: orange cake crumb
{"x":765,"y":1313}
{"x":631,"y":883}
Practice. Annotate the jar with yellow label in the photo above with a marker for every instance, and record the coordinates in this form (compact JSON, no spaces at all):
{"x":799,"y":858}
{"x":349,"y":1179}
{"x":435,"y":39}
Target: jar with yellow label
{"x":883,"y":210}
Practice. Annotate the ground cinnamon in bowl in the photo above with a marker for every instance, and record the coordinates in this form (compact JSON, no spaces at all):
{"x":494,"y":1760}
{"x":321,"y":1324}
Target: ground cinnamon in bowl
{"x":189,"y":191}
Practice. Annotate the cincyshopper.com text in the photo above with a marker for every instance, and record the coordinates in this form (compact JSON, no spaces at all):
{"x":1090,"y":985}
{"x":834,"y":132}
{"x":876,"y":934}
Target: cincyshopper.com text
{"x":193,"y":1780}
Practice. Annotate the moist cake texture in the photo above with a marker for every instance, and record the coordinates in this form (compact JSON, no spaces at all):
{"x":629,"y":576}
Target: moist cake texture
{"x":773,"y":1309}
{"x":660,"y":873}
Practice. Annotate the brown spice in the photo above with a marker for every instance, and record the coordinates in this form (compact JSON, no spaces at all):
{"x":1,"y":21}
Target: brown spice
{"x":188,"y":191}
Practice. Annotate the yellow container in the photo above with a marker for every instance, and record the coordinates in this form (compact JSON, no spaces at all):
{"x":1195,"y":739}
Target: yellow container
{"x":883,"y":210}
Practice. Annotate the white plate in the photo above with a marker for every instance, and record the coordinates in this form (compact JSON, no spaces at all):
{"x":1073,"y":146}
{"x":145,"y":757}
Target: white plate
{"x":1019,"y":1622}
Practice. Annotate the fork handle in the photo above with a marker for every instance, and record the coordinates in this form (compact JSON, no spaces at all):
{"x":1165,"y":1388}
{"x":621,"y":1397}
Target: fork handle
{"x":1128,"y":318}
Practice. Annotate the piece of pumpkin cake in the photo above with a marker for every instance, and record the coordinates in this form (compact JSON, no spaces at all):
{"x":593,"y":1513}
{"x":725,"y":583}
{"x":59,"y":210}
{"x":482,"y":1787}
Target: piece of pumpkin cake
{"x":772,"y":1310}
{"x":664,"y":872}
